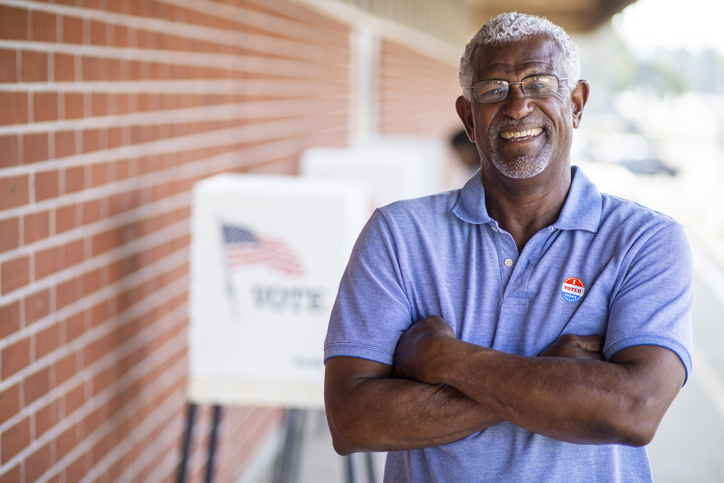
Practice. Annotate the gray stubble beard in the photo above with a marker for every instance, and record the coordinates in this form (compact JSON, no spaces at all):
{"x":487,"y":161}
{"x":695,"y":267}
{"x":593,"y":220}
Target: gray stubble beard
{"x":520,"y":167}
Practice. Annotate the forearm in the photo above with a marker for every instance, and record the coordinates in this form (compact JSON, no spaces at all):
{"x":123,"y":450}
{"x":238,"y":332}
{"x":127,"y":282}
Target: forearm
{"x":391,"y":414}
{"x":578,"y":401}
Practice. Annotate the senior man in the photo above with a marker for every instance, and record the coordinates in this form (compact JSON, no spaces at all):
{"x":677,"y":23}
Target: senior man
{"x":525,"y":327}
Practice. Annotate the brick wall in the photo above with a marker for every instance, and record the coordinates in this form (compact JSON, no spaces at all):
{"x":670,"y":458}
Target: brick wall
{"x":110,"y":110}
{"x":417,"y":93}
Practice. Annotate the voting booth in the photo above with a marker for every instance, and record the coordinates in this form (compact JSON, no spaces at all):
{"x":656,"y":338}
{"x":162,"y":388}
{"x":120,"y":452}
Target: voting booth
{"x":393,"y":168}
{"x":267,"y":254}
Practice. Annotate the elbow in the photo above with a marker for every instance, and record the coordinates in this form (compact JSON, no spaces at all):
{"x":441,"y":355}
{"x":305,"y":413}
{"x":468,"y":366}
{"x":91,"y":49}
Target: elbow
{"x":343,"y":431}
{"x":639,"y":425}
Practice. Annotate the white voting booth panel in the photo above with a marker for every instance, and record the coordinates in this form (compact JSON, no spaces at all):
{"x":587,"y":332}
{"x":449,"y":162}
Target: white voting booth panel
{"x":394,"y":169}
{"x":267,"y":254}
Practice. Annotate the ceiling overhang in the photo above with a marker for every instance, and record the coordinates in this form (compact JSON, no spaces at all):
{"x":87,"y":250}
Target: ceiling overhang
{"x":575,"y":16}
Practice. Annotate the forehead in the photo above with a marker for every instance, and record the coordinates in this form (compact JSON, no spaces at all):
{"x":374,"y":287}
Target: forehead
{"x":537,"y":52}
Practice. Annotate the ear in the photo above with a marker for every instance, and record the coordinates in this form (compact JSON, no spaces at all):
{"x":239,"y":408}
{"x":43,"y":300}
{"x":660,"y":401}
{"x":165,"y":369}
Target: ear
{"x":465,"y":111}
{"x":579,"y":97}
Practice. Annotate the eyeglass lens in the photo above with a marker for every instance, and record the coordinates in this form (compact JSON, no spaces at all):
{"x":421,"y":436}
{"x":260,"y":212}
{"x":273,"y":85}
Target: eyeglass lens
{"x":537,"y":87}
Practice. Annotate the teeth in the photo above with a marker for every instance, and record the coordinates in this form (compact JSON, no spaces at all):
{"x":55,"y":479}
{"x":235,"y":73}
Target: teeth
{"x":521,"y":134}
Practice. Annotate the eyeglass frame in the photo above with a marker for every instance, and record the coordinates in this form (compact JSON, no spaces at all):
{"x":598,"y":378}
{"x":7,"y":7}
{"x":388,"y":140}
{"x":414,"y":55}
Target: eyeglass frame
{"x":558,"y":79}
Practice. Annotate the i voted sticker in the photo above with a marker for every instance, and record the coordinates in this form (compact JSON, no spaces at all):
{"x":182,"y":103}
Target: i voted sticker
{"x":572,"y":289}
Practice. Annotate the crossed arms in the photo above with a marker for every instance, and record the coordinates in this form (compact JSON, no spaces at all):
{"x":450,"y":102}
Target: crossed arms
{"x":442,"y":389}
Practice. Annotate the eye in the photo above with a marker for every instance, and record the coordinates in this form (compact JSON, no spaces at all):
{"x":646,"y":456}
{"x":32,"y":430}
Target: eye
{"x":490,"y":91}
{"x":541,"y":86}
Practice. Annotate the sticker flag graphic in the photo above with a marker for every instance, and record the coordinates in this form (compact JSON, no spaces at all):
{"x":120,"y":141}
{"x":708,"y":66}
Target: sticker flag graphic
{"x":572,"y":289}
{"x":243,"y":247}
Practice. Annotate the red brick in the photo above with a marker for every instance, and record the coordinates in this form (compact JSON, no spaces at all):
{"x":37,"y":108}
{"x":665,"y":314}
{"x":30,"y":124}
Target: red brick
{"x":34,"y":66}
{"x":46,"y":341}
{"x":9,"y":235}
{"x":114,"y":137}
{"x":74,"y":399}
{"x":91,"y":282}
{"x":99,"y":313}
{"x":15,"y":357}
{"x":68,"y":292}
{"x":92,"y":69}
{"x":99,"y":174}
{"x":12,"y":476}
{"x":74,"y":179}
{"x":13,"y":26}
{"x":37,"y":306}
{"x":72,"y":30}
{"x":9,"y":150}
{"x":64,"y":67}
{"x":123,"y":105}
{"x":13,"y":191}
{"x":65,"y":368}
{"x":121,"y":36}
{"x":99,"y":103}
{"x":44,"y":27}
{"x":66,"y":442}
{"x":15,"y":274}
{"x":98,"y":348}
{"x":15,"y":108}
{"x":9,"y":61}
{"x":74,"y":252}
{"x":74,"y":108}
{"x":98,"y":33}
{"x":45,"y":106}
{"x":9,"y":402}
{"x":38,"y":463}
{"x":36,"y":226}
{"x":91,"y":211}
{"x":35,"y":147}
{"x":77,"y":469}
{"x":65,"y":218}
{"x":113,"y":69}
{"x":74,"y":326}
{"x":91,"y":141}
{"x":46,"y":418}
{"x":37,"y":385}
{"x":100,"y":450}
{"x":47,"y":262}
{"x":64,"y":144}
{"x":46,"y":185}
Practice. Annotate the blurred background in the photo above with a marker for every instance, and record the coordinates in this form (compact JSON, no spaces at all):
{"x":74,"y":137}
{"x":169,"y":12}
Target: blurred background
{"x":110,"y":111}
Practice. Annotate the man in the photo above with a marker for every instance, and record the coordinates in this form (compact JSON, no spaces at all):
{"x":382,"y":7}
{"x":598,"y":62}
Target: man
{"x":525,"y":327}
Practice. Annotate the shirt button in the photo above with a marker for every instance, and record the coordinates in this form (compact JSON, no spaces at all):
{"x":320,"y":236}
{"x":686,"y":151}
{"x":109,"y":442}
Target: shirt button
{"x":508,"y":262}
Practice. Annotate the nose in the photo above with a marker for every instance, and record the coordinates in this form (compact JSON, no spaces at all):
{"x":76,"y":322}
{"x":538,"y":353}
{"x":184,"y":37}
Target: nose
{"x":517,"y":104}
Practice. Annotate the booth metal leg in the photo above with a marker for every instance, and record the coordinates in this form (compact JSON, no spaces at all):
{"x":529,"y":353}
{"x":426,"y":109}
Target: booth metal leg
{"x":190,"y":416}
{"x":370,"y":468}
{"x":288,"y":468}
{"x":350,"y":468}
{"x":212,"y":444}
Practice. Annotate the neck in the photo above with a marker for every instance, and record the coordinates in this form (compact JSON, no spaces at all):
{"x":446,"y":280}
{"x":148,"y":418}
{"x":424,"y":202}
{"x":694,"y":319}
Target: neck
{"x":524,"y":207}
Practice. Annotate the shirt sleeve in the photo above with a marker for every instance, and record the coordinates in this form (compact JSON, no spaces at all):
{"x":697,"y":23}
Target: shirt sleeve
{"x":652,"y":304}
{"x":371,"y":310}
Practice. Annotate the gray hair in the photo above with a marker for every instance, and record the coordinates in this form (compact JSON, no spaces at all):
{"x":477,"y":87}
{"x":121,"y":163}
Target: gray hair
{"x":509,"y":27}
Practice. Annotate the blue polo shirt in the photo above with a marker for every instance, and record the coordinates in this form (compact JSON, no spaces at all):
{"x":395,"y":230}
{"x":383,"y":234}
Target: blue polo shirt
{"x":607,"y":266}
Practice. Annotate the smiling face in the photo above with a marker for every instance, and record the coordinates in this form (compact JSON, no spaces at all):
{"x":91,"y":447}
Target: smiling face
{"x":521,"y":137}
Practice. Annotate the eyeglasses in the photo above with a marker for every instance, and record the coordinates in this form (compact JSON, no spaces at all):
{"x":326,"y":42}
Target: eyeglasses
{"x":535,"y":87}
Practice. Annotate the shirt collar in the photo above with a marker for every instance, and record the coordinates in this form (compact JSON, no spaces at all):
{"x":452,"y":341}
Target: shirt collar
{"x":581,"y":210}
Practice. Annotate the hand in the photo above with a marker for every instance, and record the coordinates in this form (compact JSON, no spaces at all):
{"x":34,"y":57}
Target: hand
{"x":419,"y":350}
{"x":588,"y":347}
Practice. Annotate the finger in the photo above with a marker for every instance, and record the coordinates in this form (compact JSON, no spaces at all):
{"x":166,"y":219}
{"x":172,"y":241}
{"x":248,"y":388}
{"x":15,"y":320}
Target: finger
{"x":593,"y":343}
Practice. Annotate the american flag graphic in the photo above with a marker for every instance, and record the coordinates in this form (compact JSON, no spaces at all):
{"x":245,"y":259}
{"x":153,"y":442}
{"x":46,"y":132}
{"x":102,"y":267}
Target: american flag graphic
{"x":243,"y":247}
